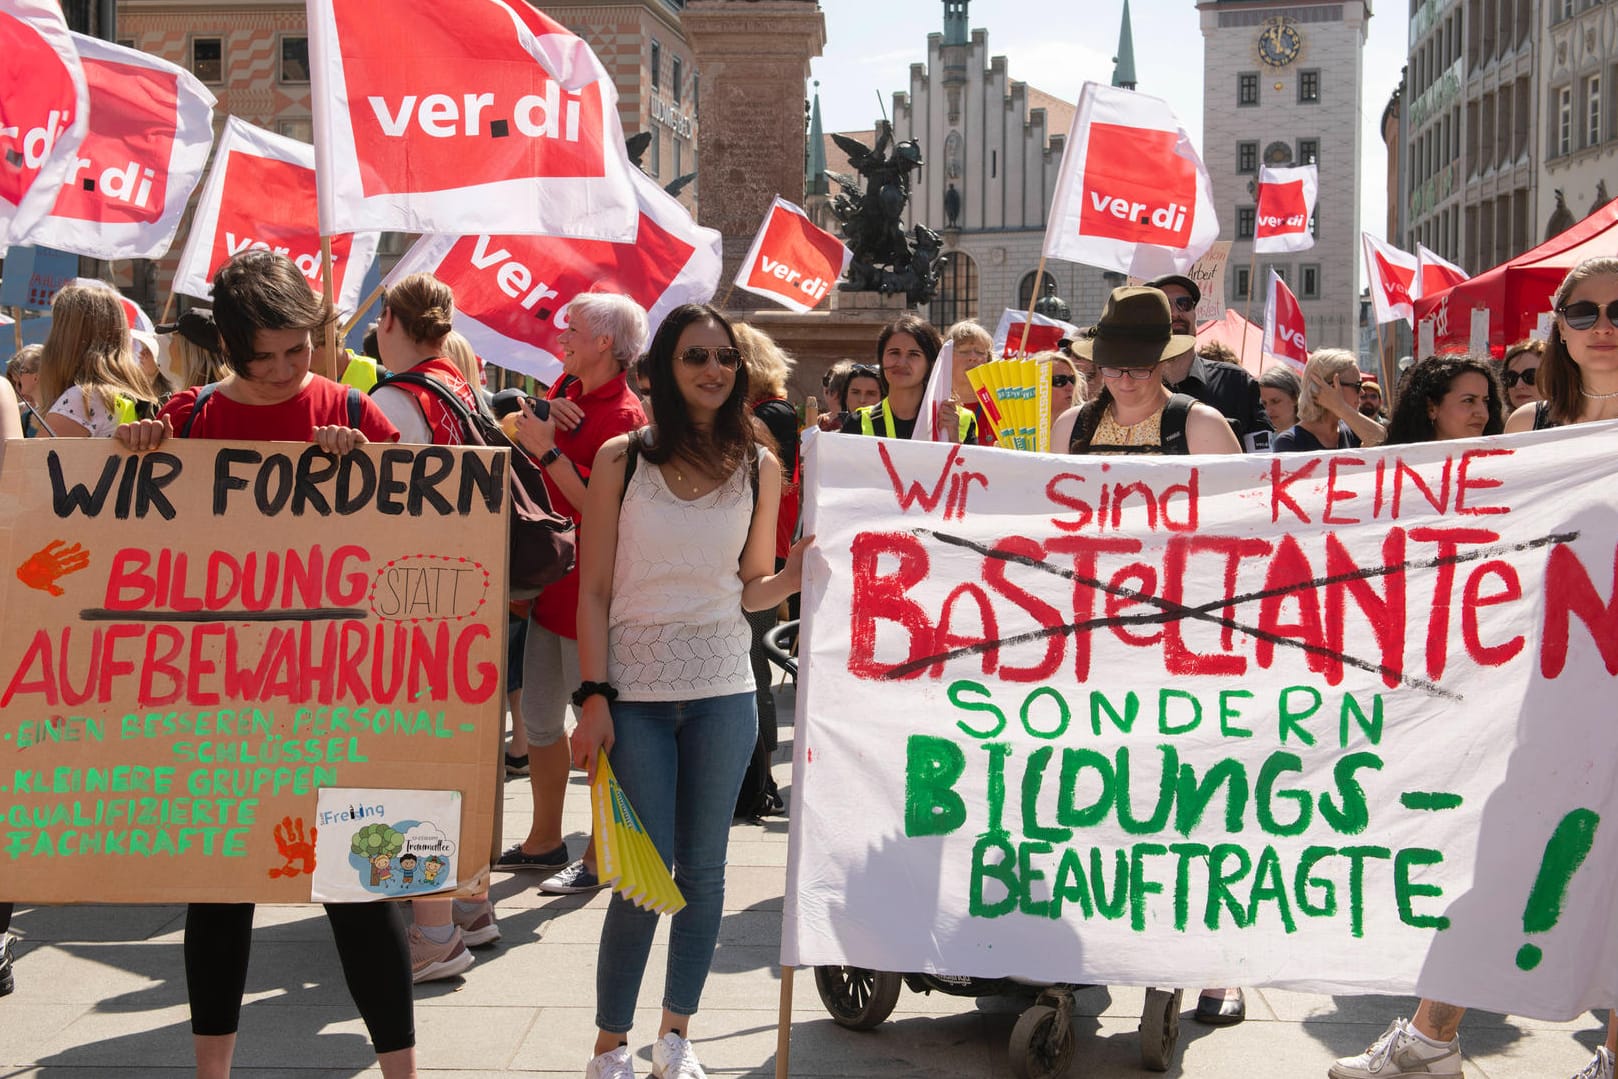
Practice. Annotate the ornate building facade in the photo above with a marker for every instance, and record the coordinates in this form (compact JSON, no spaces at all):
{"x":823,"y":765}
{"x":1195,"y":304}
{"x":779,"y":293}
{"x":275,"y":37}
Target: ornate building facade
{"x":1578,"y":62}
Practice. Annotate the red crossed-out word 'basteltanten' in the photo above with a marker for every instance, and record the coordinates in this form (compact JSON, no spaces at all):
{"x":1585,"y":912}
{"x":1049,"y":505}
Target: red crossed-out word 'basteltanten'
{"x":44,"y":111}
{"x":792,"y":261}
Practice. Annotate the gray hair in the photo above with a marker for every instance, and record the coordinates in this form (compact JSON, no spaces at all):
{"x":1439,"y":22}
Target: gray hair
{"x":1283,"y":379}
{"x":617,"y":316}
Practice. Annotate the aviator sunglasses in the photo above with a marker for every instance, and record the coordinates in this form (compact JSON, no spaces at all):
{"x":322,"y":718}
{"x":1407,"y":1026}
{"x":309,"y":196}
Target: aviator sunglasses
{"x":1184,"y":304}
{"x":728,"y":356}
{"x":1583,"y":314}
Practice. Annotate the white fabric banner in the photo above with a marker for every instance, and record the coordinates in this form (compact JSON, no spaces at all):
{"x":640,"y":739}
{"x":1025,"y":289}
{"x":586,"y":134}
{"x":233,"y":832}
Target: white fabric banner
{"x":1333,"y":723}
{"x":151,"y":126}
{"x":512,"y":292}
{"x":44,"y":112}
{"x":261,"y":193}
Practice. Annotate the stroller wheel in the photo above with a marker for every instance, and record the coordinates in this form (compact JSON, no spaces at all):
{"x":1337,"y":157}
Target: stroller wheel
{"x":857,"y":998}
{"x":1041,"y":1044}
{"x":1159,"y":1028}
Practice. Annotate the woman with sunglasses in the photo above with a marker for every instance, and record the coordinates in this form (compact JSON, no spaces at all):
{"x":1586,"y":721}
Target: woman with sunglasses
{"x":1519,"y":371}
{"x":907,"y":348}
{"x":1329,"y":415}
{"x":663,"y":648}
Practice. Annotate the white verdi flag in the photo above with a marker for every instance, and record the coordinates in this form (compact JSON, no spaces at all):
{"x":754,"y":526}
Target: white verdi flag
{"x":940,"y":388}
{"x":1286,"y":203}
{"x":1324,"y":722}
{"x":260,"y":193}
{"x":512,"y":291}
{"x":1132,"y":195}
{"x":44,"y":111}
{"x":1391,"y":277}
{"x":1434,"y":273}
{"x":456,"y":118}
{"x":151,"y":126}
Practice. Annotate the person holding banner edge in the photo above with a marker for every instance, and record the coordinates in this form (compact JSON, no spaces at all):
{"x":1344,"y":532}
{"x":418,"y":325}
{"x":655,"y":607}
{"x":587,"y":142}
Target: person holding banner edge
{"x":265,"y":314}
{"x":678,"y":734}
{"x":907,"y":348}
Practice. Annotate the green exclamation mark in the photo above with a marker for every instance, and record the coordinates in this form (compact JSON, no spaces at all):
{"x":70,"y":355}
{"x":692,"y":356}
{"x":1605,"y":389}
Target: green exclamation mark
{"x":1563,"y":855}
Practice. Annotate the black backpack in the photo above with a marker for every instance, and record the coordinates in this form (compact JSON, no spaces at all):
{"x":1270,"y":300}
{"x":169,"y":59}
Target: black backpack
{"x":1172,"y":428}
{"x":543,"y":542}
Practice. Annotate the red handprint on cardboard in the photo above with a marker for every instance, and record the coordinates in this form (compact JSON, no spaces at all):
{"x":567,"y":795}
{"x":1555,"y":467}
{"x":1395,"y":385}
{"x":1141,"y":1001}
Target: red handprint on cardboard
{"x":298,"y":851}
{"x":53,"y":561}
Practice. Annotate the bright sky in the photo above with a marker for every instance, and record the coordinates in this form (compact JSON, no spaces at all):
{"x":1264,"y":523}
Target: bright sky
{"x":871,"y":45}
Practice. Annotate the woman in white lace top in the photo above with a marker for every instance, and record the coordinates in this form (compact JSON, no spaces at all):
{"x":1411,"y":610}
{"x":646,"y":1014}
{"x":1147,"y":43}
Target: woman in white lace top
{"x":670,"y":558}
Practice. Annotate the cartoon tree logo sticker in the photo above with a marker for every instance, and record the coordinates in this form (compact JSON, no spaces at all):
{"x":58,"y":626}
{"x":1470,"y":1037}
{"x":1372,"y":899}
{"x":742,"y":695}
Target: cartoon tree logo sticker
{"x":377,"y":844}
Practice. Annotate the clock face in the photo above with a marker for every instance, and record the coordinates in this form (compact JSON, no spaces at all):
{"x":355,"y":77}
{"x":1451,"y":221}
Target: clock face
{"x":1279,"y":43}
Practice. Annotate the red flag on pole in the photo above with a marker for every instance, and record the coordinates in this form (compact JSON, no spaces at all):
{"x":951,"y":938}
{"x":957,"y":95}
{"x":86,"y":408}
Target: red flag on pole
{"x":1391,"y":275}
{"x":1286,"y":202}
{"x":471,"y":117}
{"x":1284,"y":330}
{"x":261,"y":193}
{"x":792,"y":261}
{"x":1043,"y":336}
{"x":1433,"y":274}
{"x":44,"y":112}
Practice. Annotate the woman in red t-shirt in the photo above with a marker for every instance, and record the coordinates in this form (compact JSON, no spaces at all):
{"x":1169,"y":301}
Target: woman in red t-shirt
{"x":265,"y":313}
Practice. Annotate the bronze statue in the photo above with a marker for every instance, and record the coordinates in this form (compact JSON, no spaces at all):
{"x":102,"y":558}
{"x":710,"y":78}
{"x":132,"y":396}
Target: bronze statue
{"x":886,"y":259}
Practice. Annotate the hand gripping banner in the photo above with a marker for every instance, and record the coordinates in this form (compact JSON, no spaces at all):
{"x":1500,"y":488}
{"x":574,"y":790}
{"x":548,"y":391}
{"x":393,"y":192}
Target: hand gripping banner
{"x":261,"y":193}
{"x":44,"y":111}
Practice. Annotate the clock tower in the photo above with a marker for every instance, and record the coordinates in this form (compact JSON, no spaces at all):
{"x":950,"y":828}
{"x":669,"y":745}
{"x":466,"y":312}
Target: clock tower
{"x":1281,"y":86}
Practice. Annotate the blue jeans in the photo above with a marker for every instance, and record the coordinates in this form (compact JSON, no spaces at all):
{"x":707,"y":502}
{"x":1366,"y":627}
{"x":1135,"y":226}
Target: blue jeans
{"x":681,"y":764}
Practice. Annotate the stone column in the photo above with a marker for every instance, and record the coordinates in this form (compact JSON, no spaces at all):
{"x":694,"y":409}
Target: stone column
{"x":753,"y":56}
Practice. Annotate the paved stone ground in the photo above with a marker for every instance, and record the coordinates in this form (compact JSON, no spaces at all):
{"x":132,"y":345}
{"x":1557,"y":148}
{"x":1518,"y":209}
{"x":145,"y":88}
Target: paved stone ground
{"x":101,"y":993}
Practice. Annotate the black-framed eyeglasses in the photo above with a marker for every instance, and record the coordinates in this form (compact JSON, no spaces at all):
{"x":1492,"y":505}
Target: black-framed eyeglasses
{"x":728,"y":356}
{"x":1061,"y":381}
{"x":1138,"y":374}
{"x":1184,"y":304}
{"x":1582,"y":314}
{"x":1526,"y":377}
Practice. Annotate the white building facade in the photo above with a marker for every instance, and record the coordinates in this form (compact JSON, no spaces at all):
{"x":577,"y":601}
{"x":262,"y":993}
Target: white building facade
{"x":1578,"y":58}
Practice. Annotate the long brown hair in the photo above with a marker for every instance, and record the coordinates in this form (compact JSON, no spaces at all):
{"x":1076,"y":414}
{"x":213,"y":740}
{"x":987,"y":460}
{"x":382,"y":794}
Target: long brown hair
{"x":1559,"y":380}
{"x":89,"y":347}
{"x":731,"y":442}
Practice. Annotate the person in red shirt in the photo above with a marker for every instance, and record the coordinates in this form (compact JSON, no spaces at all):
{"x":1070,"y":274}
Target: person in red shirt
{"x":265,"y":313}
{"x":591,"y":405}
{"x":413,"y":335}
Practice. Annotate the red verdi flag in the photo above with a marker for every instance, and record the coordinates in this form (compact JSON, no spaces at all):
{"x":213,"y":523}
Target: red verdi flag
{"x":466,"y":117}
{"x":792,"y":261}
{"x":1286,"y":202}
{"x":1043,"y":336}
{"x":261,"y":193}
{"x":1284,"y":331}
{"x":1434,"y":274}
{"x":1391,"y":276}
{"x":511,"y":291}
{"x":151,"y":125}
{"x":44,"y":111}
{"x":1133,"y":195}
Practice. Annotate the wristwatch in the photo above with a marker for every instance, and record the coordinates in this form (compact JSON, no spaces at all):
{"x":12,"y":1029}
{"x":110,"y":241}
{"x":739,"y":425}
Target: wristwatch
{"x":551,"y":455}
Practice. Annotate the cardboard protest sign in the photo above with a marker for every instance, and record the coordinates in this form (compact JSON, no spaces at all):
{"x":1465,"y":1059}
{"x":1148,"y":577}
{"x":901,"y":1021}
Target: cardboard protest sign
{"x":44,"y":111}
{"x":1285,"y":334}
{"x":512,"y":291}
{"x":478,"y":116}
{"x":205,"y":643}
{"x":151,"y":125}
{"x":261,"y":193}
{"x":1329,"y":722}
{"x":1042,"y":336}
{"x":1286,"y":202}
{"x":1209,"y":274}
{"x":1132,"y":194}
{"x":792,"y":261}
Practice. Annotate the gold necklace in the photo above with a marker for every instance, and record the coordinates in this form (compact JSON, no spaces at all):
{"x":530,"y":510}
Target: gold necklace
{"x":679,"y":477}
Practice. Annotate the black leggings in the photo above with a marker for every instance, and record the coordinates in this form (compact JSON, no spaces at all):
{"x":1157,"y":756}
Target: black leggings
{"x":370,"y":942}
{"x":5,"y":917}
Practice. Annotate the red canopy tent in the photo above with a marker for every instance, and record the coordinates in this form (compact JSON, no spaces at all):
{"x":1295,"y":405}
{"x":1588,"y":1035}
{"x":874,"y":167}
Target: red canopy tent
{"x":1229,"y":331}
{"x":1519,"y":291}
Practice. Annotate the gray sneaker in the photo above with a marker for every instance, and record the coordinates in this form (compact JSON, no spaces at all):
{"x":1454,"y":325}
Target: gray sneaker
{"x":1600,"y":1067}
{"x":1401,"y":1054}
{"x":576,"y":878}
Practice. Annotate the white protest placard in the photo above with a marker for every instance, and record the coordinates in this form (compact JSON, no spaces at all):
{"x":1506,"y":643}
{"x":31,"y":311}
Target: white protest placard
{"x":1324,"y":722}
{"x":1480,"y":331}
{"x":384,"y":844}
{"x":1426,"y":334}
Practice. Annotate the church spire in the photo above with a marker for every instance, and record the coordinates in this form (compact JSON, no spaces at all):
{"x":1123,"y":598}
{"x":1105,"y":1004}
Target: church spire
{"x":814,"y":180}
{"x":1123,"y":65}
{"x":955,"y":22}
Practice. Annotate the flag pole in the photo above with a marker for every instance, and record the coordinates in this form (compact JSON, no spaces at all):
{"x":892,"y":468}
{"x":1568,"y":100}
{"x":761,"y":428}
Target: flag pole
{"x":359,"y":313}
{"x":331,"y":323}
{"x":783,"y":1026}
{"x":168,"y":309}
{"x":1384,"y":363}
{"x":16,"y":326}
{"x":1033,"y":298}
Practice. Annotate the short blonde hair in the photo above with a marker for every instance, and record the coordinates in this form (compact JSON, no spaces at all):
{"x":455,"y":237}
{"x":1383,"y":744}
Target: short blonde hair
{"x":768,"y":366}
{"x":970,"y":330}
{"x":459,"y":349}
{"x":1325,"y":364}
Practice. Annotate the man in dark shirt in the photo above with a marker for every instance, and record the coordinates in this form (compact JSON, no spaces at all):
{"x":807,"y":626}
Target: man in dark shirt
{"x":1226,"y":387}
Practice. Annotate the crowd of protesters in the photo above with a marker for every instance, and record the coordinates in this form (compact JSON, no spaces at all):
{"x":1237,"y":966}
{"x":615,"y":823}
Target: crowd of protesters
{"x":687,"y":429}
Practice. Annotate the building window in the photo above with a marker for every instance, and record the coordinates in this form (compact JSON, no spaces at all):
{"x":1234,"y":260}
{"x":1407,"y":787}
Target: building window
{"x":657,"y":65}
{"x":294,"y":59}
{"x":676,"y":67}
{"x":1241,"y":283}
{"x":208,"y":59}
{"x":1247,"y":88}
{"x":654,"y":162}
{"x":1247,"y":157}
{"x":1309,"y":281}
{"x":1244,"y":222}
{"x":301,"y":128}
{"x":957,"y":296}
{"x":1309,"y":87}
{"x":1592,"y":114}
{"x":1308,"y":151}
{"x":1025,"y":290}
{"x":1281,"y":271}
{"x":1314,"y":223}
{"x":1564,"y":121}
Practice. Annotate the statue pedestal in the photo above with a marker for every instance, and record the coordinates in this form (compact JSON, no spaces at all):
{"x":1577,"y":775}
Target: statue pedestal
{"x":849,"y":303}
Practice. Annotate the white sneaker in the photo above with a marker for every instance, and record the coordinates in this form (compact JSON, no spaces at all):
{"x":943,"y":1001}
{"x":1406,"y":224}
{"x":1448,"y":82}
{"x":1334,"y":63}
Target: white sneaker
{"x":1400,"y":1054}
{"x":1600,"y":1067}
{"x":673,"y":1058}
{"x":613,"y":1064}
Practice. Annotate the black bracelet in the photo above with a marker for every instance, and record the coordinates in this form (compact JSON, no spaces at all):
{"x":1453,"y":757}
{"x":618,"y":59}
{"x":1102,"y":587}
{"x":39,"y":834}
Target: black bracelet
{"x":587,"y":690}
{"x":551,"y":455}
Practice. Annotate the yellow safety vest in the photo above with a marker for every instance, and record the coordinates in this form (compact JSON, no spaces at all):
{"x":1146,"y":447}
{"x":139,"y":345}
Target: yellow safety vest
{"x":360,"y":372}
{"x":868,"y":419}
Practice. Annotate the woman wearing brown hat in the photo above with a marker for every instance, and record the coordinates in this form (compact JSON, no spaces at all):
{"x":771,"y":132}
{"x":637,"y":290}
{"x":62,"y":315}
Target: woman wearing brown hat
{"x":1134,"y":412}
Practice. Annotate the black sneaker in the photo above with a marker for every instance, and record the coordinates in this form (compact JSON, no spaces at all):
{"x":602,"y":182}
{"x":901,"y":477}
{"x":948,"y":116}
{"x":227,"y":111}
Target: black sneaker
{"x":7,"y":981}
{"x":516,"y":766}
{"x":515,"y":859}
{"x":576,"y":878}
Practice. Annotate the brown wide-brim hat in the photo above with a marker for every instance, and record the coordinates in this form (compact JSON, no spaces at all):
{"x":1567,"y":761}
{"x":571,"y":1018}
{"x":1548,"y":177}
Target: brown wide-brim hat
{"x":1136,"y":330}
